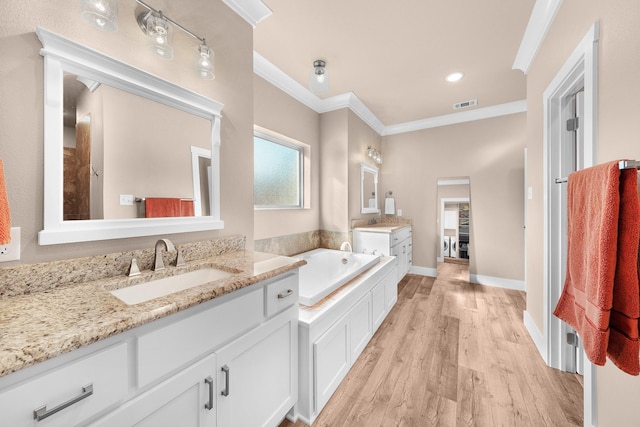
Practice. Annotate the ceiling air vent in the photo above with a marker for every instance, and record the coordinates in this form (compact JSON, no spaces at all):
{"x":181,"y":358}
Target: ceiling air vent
{"x":465,"y":104}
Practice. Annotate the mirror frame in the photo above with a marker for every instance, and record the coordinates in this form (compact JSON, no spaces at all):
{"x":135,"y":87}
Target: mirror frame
{"x":63,"y":55}
{"x":366,"y":168}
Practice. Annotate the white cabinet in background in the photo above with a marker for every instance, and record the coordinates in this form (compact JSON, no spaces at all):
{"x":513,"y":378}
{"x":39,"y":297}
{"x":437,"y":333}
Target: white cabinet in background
{"x":379,"y":240}
{"x":332,"y":356}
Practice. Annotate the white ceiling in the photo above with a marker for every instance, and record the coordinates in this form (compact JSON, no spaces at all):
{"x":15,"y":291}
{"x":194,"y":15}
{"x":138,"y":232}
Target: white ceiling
{"x":394,"y":56}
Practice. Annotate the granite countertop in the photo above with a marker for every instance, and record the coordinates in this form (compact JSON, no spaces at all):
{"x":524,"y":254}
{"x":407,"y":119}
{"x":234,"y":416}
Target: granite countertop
{"x":382,"y":228}
{"x":39,"y":326}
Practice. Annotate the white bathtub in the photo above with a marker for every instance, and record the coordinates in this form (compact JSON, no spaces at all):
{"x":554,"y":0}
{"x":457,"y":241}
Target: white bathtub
{"x":326,"y":271}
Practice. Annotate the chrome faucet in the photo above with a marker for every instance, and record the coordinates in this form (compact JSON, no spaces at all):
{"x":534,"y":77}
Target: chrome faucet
{"x":346,"y":246}
{"x":168,"y":246}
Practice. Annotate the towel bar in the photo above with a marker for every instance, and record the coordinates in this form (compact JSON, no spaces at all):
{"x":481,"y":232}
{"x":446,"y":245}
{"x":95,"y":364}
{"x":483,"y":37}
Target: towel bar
{"x":622,"y":164}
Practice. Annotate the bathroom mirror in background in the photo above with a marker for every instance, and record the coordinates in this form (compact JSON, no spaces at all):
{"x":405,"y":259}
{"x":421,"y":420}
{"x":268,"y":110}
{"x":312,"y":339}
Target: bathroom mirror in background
{"x":120,"y":134}
{"x":368,"y":189}
{"x":453,"y":219}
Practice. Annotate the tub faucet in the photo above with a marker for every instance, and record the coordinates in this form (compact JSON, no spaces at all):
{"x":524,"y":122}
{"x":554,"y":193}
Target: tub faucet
{"x":168,"y":246}
{"x":346,"y":246}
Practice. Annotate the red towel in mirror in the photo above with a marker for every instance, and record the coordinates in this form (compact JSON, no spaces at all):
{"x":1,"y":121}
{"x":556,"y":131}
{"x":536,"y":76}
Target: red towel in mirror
{"x":156,"y":207}
{"x":186,"y":207}
{"x":600,"y":299}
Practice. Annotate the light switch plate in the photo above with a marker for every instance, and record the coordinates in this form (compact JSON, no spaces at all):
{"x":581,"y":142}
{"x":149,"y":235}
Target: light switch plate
{"x":11,"y":250}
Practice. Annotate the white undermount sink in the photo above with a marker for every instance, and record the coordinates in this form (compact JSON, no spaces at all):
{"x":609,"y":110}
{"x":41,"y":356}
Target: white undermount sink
{"x":162,"y":287}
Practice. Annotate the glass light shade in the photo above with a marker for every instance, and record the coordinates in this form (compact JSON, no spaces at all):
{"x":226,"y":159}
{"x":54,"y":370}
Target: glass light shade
{"x":205,"y":65}
{"x":319,"y":77}
{"x":102,"y":14}
{"x":160,"y":33}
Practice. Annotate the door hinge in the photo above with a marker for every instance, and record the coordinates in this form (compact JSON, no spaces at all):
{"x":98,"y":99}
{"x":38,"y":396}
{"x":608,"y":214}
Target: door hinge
{"x":573,"y":124}
{"x":572,"y":339}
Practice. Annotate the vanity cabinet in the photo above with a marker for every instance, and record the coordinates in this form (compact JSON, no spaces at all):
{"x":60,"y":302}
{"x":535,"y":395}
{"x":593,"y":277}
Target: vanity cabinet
{"x":230,"y":361}
{"x":391,"y":241}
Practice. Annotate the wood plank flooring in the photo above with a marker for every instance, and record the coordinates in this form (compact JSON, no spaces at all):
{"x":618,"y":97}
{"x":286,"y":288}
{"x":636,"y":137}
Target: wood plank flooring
{"x":452,"y":353}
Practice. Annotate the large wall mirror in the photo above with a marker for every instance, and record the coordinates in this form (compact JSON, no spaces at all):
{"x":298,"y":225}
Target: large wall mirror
{"x":126,"y":154}
{"x":368,"y":188}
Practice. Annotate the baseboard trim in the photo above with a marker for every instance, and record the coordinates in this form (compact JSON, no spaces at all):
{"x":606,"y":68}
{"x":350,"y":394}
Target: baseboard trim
{"x":499,"y":282}
{"x":424,"y":271}
{"x":535,"y":334}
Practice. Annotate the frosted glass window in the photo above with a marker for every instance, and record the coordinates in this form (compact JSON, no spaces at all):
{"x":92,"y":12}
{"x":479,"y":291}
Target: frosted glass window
{"x":277,"y":175}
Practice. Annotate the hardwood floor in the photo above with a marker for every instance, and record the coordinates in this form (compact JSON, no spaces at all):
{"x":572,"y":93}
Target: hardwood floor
{"x":452,"y":353}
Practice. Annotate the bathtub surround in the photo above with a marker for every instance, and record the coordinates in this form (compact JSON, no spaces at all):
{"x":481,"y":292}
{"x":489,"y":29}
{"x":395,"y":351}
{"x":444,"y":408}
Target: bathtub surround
{"x":289,"y":244}
{"x":33,"y":278}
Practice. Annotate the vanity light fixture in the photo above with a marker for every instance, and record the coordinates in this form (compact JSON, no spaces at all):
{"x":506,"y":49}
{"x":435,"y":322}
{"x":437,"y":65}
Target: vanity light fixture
{"x":319,"y":77}
{"x":102,"y":14}
{"x":374,"y":155}
{"x":156,"y":25}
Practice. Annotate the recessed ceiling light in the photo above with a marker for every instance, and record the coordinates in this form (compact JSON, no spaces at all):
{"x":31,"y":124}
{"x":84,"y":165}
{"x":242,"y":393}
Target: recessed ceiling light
{"x":454,"y":77}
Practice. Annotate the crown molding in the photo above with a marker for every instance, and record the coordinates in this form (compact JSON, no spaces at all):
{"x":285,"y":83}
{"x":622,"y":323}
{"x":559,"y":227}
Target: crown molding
{"x":274,"y":75}
{"x":252,"y":11}
{"x":456,"y":118}
{"x":542,"y":16}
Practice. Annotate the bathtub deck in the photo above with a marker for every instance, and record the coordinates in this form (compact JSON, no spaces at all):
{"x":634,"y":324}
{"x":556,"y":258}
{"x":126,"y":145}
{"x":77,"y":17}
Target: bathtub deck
{"x":453,"y":354}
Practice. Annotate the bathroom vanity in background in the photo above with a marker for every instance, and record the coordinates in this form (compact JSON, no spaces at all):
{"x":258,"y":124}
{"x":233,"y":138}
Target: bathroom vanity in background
{"x":228,"y":361}
{"x":385,"y":239}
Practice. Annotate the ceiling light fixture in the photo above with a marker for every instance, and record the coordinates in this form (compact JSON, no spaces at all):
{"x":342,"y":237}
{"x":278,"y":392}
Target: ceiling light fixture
{"x":156,"y":25}
{"x":319,"y":78}
{"x":374,"y":155}
{"x":102,"y":14}
{"x":454,"y":77}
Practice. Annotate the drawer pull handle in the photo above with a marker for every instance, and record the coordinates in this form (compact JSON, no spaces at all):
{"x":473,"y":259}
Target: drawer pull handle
{"x":285,"y":294}
{"x":209,"y":405}
{"x":225,"y":392}
{"x":42,"y":413}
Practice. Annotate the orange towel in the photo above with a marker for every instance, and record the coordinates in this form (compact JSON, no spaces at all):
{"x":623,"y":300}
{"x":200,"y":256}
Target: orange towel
{"x":186,"y":207}
{"x":602,"y":269}
{"x":156,"y":207}
{"x":5,"y":217}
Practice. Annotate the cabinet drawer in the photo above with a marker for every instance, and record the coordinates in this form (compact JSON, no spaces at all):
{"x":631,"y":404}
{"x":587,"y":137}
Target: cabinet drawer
{"x":106,"y":371}
{"x":167,"y":349}
{"x":281,"y":294}
{"x":400,"y":235}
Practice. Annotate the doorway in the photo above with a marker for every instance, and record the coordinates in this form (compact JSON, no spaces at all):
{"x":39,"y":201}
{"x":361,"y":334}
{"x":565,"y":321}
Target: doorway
{"x":569,"y":145}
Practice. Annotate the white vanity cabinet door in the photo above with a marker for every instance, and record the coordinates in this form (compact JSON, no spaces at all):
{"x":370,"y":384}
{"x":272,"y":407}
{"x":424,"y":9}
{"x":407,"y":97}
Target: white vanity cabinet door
{"x":186,"y":399}
{"x":257,"y":374}
{"x":332,"y":356}
{"x":378,"y":305}
{"x":107,"y":371}
{"x":360,"y":325}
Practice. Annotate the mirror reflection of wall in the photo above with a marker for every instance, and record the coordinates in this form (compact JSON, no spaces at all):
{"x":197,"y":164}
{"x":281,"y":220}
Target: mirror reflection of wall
{"x":368,"y":188}
{"x":117,"y":143}
{"x":453,"y":220}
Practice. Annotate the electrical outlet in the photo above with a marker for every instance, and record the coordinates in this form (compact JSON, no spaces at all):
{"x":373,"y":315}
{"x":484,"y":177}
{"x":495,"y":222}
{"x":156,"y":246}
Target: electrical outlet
{"x":11,"y":250}
{"x":126,"y":200}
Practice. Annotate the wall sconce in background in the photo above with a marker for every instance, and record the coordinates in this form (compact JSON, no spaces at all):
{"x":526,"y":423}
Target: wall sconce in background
{"x":205,"y":63}
{"x":374,"y":155}
{"x":319,"y":78}
{"x":102,"y":14}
